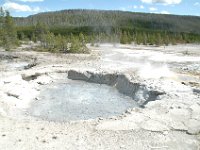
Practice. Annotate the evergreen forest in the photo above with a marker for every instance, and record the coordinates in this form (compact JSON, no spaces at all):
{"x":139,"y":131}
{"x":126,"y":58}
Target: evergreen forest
{"x":70,"y":30}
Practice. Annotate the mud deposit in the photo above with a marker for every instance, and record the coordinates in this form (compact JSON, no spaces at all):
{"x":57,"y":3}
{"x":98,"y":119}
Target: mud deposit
{"x":79,"y":100}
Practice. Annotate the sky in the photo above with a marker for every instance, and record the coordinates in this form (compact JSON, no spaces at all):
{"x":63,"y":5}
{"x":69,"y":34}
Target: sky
{"x":23,"y":8}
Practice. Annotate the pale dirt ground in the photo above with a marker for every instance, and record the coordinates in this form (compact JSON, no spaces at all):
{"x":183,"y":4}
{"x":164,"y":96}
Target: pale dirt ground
{"x":172,"y":123}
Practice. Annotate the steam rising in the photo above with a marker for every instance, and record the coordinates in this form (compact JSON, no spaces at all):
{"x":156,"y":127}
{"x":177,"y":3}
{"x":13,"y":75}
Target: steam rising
{"x":150,"y":71}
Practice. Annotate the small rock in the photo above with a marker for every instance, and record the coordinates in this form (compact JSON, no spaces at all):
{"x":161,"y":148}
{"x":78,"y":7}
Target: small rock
{"x":128,"y":111}
{"x":165,"y":133}
{"x":54,"y":137}
{"x":113,"y":118}
{"x":197,"y":91}
{"x":43,"y":141}
{"x":192,"y":131}
{"x":183,"y":83}
{"x":100,"y":118}
{"x":5,"y":82}
{"x":13,"y":95}
{"x":41,"y":83}
{"x":37,"y":89}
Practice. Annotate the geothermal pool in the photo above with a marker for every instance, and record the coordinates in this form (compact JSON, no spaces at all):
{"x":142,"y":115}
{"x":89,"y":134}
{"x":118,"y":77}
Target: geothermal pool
{"x":67,"y":100}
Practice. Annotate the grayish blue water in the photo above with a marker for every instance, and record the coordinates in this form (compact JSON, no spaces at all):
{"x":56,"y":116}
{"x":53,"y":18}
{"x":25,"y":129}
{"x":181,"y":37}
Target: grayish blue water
{"x":77,"y":100}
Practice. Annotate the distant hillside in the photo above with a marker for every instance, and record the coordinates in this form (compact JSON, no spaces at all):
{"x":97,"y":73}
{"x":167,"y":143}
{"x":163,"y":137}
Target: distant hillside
{"x":113,"y":19}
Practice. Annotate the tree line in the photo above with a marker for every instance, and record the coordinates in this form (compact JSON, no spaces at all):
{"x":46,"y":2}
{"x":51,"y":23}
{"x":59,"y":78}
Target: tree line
{"x":107,"y":20}
{"x":116,"y":35}
{"x":69,"y":31}
{"x":116,"y":26}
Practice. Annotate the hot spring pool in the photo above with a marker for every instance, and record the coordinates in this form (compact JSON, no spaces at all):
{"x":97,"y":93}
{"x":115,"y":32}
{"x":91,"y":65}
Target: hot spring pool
{"x":67,"y":99}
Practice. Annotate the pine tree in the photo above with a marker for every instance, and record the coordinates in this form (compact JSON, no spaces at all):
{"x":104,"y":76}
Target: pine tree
{"x":144,"y":38}
{"x":61,"y":43}
{"x":166,"y":39}
{"x":33,"y":38}
{"x":133,"y":37}
{"x":2,"y":21}
{"x":21,"y":36}
{"x":92,"y":39}
{"x":139,"y":38}
{"x":83,"y":46}
{"x":159,"y":40}
{"x":129,"y":38}
{"x":50,"y":41}
{"x":75,"y":45}
{"x":124,"y":38}
{"x":40,"y":30}
{"x":10,"y":36}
